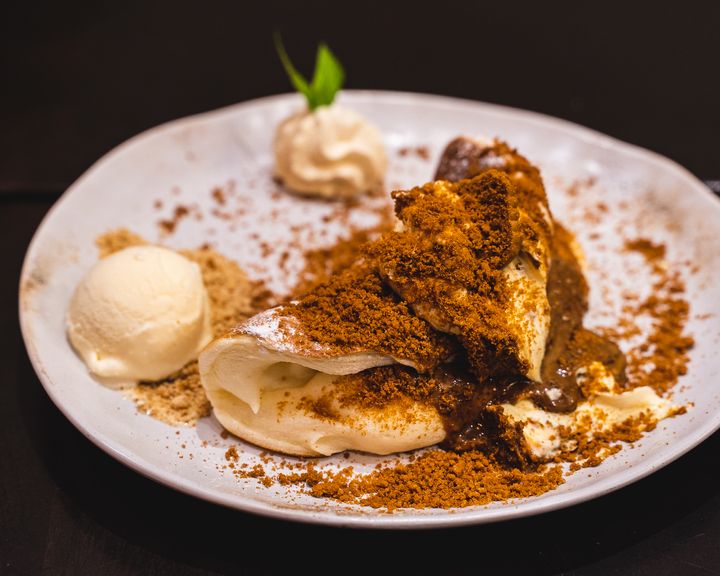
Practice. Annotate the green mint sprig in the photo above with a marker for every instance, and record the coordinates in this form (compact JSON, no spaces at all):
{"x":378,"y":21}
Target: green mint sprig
{"x":327,"y":79}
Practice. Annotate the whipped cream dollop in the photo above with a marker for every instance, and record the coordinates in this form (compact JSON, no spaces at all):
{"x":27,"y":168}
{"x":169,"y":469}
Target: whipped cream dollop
{"x":332,"y":152}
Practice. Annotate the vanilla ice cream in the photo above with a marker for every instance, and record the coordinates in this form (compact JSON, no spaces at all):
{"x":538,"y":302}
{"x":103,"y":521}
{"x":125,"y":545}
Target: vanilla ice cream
{"x":332,"y":152}
{"x":140,"y":314}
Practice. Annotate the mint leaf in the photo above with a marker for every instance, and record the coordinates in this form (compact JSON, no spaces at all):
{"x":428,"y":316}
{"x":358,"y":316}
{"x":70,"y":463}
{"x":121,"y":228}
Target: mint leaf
{"x":327,"y":79}
{"x":296,"y":78}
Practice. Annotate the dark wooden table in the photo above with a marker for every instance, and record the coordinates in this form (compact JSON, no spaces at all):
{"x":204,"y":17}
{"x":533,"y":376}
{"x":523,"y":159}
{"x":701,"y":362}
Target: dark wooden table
{"x":79,"y":78}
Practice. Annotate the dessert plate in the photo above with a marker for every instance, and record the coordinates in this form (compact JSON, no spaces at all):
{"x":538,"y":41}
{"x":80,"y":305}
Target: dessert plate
{"x":159,"y":184}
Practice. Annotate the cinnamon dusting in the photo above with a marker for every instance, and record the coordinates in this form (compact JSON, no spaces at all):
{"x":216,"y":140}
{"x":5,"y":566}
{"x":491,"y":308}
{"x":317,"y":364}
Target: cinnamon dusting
{"x":355,"y":311}
{"x":662,"y":357}
{"x":448,"y":261}
{"x":435,"y":479}
{"x":321,"y":264}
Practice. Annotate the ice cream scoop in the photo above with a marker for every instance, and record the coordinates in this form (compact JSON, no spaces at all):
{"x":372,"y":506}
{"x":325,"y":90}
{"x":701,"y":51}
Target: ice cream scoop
{"x":139,"y":314}
{"x":331,"y":152}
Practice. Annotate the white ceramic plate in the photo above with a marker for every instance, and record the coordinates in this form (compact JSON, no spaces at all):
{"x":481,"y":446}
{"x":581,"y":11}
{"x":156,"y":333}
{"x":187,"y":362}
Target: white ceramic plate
{"x":180,"y":162}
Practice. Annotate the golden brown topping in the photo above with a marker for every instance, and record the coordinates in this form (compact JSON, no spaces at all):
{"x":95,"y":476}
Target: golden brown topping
{"x":378,"y":387}
{"x":323,"y":263}
{"x":232,"y":294}
{"x":465,"y":158}
{"x":662,"y":357}
{"x":436,"y":479}
{"x":356,"y":311}
{"x":177,"y":399}
{"x":117,"y":240}
{"x":652,"y":252}
{"x":448,"y":262}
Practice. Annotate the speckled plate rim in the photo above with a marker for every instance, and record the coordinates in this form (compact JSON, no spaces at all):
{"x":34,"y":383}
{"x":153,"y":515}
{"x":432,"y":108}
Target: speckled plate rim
{"x":515,"y":509}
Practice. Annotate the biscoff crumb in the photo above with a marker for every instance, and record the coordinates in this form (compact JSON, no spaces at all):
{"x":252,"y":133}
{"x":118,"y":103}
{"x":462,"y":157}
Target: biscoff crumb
{"x":117,"y":240}
{"x":231,"y":293}
{"x":323,"y":263}
{"x":444,"y":479}
{"x":355,"y":310}
{"x":434,"y":479}
{"x":661,"y":358}
{"x":177,"y":399}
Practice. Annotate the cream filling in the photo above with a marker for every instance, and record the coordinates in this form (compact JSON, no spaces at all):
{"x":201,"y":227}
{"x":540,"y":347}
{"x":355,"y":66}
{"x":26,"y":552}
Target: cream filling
{"x":603,"y":410}
{"x":262,"y":378}
{"x":284,"y":423}
{"x":262,"y":391}
{"x":528,"y":312}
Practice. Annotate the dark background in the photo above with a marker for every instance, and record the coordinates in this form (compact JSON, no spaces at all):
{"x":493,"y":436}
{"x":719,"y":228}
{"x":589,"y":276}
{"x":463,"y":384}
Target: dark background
{"x":79,"y":78}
